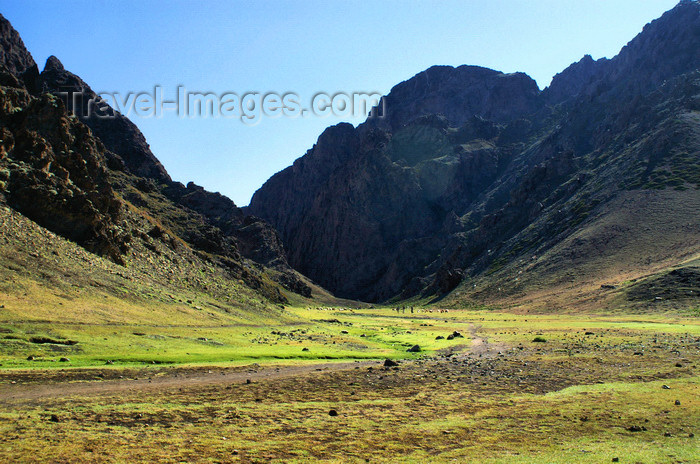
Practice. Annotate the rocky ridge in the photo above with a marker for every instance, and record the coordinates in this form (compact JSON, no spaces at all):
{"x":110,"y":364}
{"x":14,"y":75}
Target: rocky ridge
{"x":84,"y":177}
{"x":471,"y":169}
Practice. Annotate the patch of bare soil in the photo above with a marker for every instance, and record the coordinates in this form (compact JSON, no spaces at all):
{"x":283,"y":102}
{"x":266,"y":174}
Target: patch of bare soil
{"x":28,"y":385}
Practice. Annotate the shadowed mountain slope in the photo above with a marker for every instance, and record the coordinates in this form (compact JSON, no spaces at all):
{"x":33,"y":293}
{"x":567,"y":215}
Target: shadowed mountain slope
{"x":471,"y":172}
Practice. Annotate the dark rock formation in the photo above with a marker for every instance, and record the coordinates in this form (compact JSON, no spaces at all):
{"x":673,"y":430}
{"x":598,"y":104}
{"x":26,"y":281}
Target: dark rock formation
{"x":53,"y":172}
{"x":573,"y":80}
{"x":14,"y":57}
{"x":469,"y":168}
{"x":225,"y":229}
{"x":119,"y":135}
{"x":458,"y":94}
{"x":51,"y":167}
{"x":365,"y":208}
{"x":67,"y":160}
{"x":667,"y":47}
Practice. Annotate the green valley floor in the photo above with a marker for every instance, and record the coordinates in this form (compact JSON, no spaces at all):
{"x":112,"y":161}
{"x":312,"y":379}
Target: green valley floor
{"x":498,"y":387}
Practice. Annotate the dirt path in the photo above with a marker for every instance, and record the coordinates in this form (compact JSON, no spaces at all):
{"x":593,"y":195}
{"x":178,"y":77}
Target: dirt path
{"x":190,"y":377}
{"x":12,"y":393}
{"x":480,"y":345}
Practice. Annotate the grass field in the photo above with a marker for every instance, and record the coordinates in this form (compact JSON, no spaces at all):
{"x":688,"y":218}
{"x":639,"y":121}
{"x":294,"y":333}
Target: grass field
{"x":593,"y":390}
{"x":177,"y":336}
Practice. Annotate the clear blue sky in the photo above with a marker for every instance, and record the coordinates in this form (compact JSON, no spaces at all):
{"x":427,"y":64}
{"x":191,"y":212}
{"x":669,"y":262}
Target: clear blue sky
{"x":304,"y":47}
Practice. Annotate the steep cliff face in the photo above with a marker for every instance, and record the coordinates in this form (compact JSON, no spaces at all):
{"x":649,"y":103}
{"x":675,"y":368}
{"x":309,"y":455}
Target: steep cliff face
{"x":366,"y":208}
{"x":53,"y":172}
{"x":91,"y":177}
{"x":471,"y":168}
{"x":14,"y":57}
{"x":460,"y":93}
{"x":119,"y":135}
{"x":292,"y":190}
{"x":578,"y":77}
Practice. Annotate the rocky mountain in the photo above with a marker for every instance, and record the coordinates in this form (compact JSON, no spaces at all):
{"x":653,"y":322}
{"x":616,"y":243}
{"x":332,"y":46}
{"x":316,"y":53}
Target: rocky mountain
{"x":119,"y":135}
{"x":94,"y":180}
{"x":15,"y":59}
{"x":477,"y":184}
{"x":458,"y":93}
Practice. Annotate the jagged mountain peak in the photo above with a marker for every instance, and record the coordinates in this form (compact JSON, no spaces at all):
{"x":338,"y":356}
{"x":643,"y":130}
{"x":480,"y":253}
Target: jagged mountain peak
{"x":571,"y":81}
{"x":666,"y":47}
{"x":53,"y":64}
{"x":119,"y":135}
{"x":94,"y":180}
{"x":459,"y":93}
{"x":15,"y":57}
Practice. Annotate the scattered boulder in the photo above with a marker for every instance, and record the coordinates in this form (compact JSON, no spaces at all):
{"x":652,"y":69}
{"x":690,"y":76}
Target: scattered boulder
{"x":333,"y":413}
{"x":439,"y":337}
{"x":414,"y":349}
{"x":665,"y":387}
{"x":64,"y":360}
{"x":54,"y":418}
{"x":390,"y":363}
{"x":637,"y":428}
{"x":304,"y":349}
{"x":677,"y":402}
{"x":539,"y":340}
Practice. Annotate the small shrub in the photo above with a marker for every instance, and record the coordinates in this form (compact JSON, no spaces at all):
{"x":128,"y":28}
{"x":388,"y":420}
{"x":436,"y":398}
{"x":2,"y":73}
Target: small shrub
{"x":44,"y":340}
{"x":539,"y":340}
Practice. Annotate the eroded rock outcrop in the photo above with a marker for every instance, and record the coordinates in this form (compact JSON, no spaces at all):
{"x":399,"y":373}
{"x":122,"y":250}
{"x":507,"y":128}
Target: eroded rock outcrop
{"x":119,"y":135}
